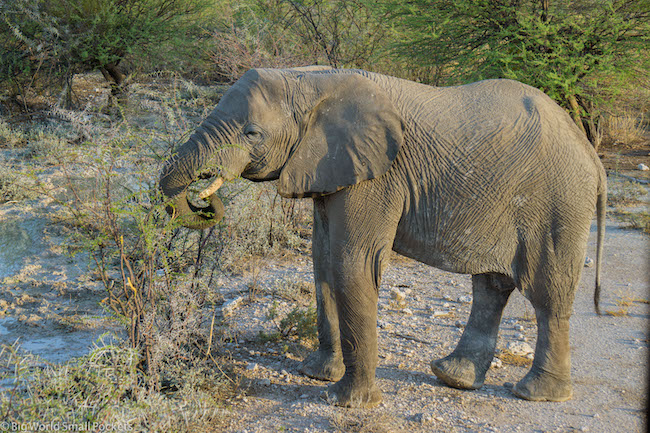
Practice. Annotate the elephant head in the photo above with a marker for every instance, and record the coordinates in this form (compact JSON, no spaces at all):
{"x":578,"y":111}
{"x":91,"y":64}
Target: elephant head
{"x":317,"y":131}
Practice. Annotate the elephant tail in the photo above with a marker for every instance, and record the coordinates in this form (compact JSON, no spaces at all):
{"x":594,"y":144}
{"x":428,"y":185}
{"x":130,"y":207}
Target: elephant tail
{"x":601,"y":204}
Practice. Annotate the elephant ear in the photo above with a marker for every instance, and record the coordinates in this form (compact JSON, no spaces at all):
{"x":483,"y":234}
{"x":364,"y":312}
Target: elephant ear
{"x":352,"y":134}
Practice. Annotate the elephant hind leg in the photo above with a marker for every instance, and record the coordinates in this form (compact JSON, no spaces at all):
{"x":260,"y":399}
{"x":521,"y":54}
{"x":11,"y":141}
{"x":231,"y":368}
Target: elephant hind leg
{"x":466,"y":366}
{"x":549,"y":378}
{"x":551,"y":291}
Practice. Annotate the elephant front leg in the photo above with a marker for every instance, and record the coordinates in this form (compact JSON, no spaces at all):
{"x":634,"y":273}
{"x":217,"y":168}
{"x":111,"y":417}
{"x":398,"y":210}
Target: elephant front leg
{"x":466,"y":366}
{"x":362,"y":231}
{"x":357,"y":307}
{"x":326,"y":363}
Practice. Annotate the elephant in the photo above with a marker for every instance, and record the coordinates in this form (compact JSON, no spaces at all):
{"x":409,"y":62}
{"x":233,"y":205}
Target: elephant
{"x":492,"y":179}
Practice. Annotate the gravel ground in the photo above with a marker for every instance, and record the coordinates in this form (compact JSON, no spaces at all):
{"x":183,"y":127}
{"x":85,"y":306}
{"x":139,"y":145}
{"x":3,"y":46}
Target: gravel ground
{"x":609,"y":353}
{"x":422,"y":313}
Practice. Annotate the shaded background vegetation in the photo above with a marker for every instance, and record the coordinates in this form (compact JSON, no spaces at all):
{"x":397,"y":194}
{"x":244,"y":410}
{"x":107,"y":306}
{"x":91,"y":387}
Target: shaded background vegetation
{"x":583,"y":53}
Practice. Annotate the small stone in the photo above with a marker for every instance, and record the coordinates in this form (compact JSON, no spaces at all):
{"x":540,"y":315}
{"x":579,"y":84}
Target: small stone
{"x":440,"y":313}
{"x":445,"y":400}
{"x":284,"y":373}
{"x":496,"y":363}
{"x":465,"y":299}
{"x":447,"y":298}
{"x":643,"y":167}
{"x":265,"y":382}
{"x":459,"y":324}
{"x":519,"y":327}
{"x":589,"y":262}
{"x":304,"y":396}
{"x":397,"y":295}
{"x":407,"y":311}
{"x":439,"y":419}
{"x":424,"y":418}
{"x":252,"y":366}
{"x":519,"y":336}
{"x":229,"y":307}
{"x":520,"y":348}
{"x":446,"y":305}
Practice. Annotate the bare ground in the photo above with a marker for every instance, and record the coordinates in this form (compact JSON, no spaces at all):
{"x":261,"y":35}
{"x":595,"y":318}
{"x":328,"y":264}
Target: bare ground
{"x":610,"y":353}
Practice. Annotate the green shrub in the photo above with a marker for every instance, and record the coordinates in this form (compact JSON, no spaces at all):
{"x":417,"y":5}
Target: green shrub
{"x":40,"y":38}
{"x":570,"y":50}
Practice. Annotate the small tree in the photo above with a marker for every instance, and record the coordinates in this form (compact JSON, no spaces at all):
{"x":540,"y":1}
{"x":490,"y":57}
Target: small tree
{"x":563,"y":48}
{"x":71,"y":36}
{"x":346,"y":32}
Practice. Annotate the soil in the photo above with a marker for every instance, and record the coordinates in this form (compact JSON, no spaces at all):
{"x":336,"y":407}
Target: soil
{"x":51,"y":306}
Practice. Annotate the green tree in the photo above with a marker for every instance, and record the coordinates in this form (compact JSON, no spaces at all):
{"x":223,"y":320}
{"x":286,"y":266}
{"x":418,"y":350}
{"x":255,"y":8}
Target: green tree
{"x":567,"y":49}
{"x":65,"y":37}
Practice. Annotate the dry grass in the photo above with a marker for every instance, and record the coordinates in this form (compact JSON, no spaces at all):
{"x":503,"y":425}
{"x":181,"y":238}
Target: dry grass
{"x":510,"y":358}
{"x":626,"y":128}
{"x":624,"y":302}
{"x":634,"y":220}
{"x":625,"y":193}
{"x":105,"y":389}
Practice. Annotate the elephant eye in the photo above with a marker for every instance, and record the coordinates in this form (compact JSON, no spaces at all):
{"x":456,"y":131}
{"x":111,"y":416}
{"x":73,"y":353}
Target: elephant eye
{"x":252,"y":134}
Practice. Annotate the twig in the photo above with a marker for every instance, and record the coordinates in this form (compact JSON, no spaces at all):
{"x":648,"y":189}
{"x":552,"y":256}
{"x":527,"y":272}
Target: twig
{"x":633,"y":179}
{"x":410,"y":337}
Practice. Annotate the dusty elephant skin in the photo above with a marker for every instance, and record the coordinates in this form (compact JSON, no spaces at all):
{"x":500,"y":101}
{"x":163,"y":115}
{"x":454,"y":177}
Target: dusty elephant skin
{"x":491,"y":179}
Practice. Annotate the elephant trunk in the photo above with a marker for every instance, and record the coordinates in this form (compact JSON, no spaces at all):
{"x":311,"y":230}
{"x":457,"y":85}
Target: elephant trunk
{"x":200,"y":157}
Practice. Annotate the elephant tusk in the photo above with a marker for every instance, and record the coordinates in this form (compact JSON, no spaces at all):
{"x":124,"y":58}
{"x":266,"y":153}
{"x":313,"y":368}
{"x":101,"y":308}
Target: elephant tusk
{"x":214,"y":186}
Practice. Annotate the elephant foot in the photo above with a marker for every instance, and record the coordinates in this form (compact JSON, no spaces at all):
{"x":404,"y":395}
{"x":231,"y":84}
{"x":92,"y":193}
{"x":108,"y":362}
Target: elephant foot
{"x":344,"y":393}
{"x":458,"y":372}
{"x":323,"y":365}
{"x":543,"y":387}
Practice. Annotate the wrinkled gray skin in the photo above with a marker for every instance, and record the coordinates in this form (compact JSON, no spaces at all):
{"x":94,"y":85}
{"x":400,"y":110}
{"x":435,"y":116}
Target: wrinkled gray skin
{"x":491,"y":179}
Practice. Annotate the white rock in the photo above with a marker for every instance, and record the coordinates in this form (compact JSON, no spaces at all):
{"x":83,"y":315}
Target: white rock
{"x":643,"y":167}
{"x":407,"y":311}
{"x":229,"y":307}
{"x":520,"y":348}
{"x":465,"y":299}
{"x":496,"y":363}
{"x":520,"y":336}
{"x":397,"y":295}
{"x":589,"y":262}
{"x":440,"y":313}
{"x":519,"y":327}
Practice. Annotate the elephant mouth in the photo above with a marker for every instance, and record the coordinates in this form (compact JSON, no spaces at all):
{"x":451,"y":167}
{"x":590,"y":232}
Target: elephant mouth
{"x":200,"y":191}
